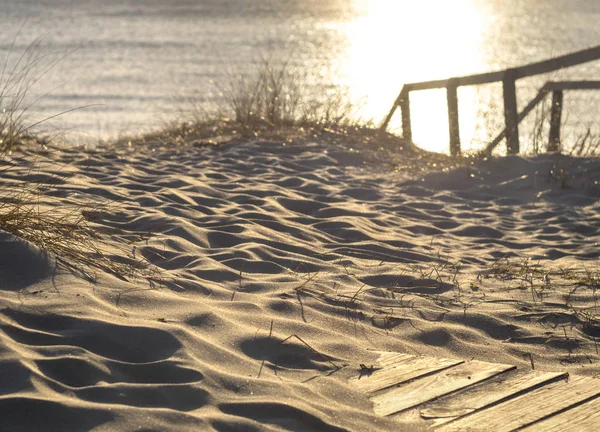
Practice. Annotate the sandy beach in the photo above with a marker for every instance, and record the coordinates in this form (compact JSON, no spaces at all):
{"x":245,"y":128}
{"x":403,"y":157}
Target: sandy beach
{"x":278,"y":269}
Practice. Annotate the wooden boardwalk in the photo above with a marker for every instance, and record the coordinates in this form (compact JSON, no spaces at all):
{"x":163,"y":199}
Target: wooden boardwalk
{"x":455,"y":395}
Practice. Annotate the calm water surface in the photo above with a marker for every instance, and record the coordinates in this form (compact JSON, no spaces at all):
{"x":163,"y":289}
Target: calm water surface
{"x":142,"y":59}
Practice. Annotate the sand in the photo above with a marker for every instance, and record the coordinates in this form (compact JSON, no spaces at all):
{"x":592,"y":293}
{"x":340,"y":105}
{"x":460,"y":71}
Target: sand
{"x":282,"y":267}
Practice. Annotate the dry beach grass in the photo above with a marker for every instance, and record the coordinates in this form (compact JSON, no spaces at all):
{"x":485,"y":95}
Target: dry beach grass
{"x":54,"y":224}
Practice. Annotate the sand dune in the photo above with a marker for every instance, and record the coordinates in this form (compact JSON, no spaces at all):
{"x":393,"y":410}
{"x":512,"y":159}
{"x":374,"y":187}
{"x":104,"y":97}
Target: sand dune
{"x":281,"y":267}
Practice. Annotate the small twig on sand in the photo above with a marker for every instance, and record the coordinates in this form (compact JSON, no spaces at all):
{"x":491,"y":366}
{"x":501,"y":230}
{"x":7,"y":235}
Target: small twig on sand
{"x":240,"y":281}
{"x":531,"y":360}
{"x":308,"y":279}
{"x":262,"y":364}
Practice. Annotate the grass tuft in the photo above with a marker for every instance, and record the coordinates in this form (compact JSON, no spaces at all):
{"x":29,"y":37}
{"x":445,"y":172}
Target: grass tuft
{"x":68,"y":232}
{"x":25,"y":211}
{"x":275,"y":102}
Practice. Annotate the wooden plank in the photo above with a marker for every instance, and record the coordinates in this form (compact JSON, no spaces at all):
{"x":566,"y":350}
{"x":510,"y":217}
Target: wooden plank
{"x":531,"y":407}
{"x":530,"y":106}
{"x":582,"y":418}
{"x":406,"y":120}
{"x":431,"y":387}
{"x":555,"y":121}
{"x":387,"y":120}
{"x":487,"y":393}
{"x":573,"y":85}
{"x":565,"y":61}
{"x":511,"y":112}
{"x":484,"y":78}
{"x":453,"y":123}
{"x":427,"y":85}
{"x":389,"y":358}
{"x":545,"y":66}
{"x":401,"y":371}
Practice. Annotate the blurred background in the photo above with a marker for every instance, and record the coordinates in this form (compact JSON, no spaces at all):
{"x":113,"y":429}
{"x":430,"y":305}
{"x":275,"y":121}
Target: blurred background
{"x":141,"y":62}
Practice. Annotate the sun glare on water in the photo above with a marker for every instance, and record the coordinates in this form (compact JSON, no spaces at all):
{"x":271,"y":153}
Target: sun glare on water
{"x":400,"y":41}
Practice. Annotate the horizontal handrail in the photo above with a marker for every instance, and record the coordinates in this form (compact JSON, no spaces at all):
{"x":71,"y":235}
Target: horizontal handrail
{"x":531,"y":69}
{"x":572,"y":85}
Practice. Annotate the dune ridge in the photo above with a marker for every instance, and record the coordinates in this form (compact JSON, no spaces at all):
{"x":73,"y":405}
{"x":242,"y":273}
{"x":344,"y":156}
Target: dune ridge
{"x":282,"y":268}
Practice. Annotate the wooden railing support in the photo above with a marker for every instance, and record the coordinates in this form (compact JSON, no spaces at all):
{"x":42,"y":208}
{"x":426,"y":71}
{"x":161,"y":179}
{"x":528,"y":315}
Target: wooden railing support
{"x":406,"y":122}
{"x":453,"y":123}
{"x":387,"y":120}
{"x":554,"y":87}
{"x":530,"y":106}
{"x":555,"y":121}
{"x":511,"y":112}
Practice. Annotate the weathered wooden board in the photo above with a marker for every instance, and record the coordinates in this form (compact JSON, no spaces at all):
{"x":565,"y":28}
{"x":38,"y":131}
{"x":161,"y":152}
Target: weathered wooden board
{"x":400,"y":371}
{"x":487,"y":393}
{"x":390,"y":358}
{"x":430,"y":387}
{"x":528,"y":408}
{"x":582,"y":418}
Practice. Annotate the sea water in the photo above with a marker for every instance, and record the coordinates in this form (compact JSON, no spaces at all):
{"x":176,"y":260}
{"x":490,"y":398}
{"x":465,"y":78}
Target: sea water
{"x":138,"y":63}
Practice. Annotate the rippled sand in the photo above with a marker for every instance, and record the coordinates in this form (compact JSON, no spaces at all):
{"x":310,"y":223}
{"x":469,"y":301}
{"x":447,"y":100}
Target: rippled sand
{"x":282,"y":267}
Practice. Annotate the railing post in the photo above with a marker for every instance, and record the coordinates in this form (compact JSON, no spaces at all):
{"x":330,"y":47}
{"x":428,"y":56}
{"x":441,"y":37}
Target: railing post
{"x":405,"y":110}
{"x":453,"y":124}
{"x":511,"y":113}
{"x":387,"y":120}
{"x":555,"y":121}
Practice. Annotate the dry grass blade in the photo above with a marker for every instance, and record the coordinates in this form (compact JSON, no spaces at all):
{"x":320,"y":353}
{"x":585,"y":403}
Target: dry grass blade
{"x":323,"y":356}
{"x":65,"y":232}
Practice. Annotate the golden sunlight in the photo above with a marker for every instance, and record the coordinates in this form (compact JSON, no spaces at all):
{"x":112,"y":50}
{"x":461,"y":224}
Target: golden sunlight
{"x":400,"y":41}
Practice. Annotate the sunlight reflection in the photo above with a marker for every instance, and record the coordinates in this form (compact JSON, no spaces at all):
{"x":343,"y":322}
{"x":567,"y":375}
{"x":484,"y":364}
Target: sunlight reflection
{"x":401,"y":41}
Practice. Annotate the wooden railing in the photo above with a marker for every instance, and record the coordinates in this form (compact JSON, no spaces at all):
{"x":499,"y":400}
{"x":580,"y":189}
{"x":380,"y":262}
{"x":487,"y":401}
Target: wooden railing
{"x":508,"y":78}
{"x":557,"y":88}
